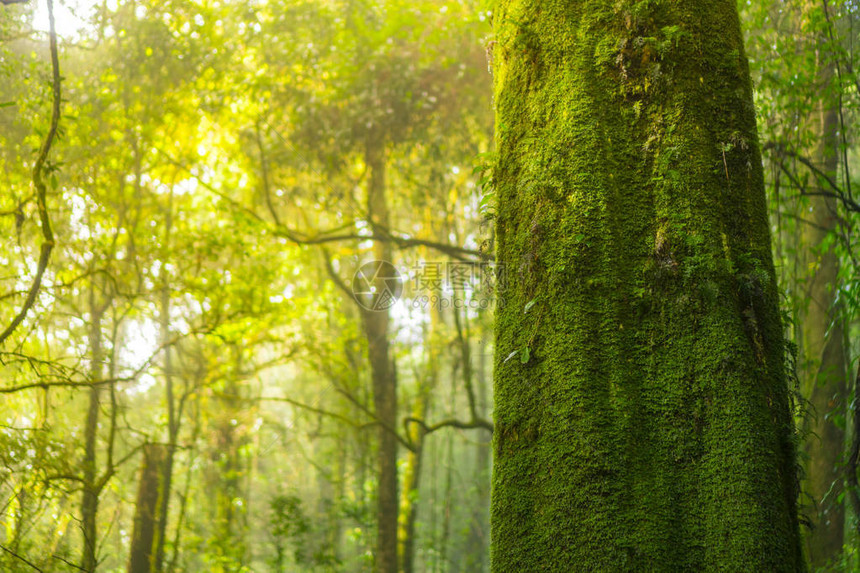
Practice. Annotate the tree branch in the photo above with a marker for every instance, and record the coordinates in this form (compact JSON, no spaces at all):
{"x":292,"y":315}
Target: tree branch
{"x":837,"y":193}
{"x":450,"y":423}
{"x":455,"y":252}
{"x":3,"y":547}
{"x":39,"y":171}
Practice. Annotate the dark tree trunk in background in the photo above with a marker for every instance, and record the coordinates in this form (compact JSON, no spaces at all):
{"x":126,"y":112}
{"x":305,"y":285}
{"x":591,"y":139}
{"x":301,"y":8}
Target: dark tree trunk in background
{"x":644,"y":423}
{"x":91,"y":487}
{"x":142,"y":554}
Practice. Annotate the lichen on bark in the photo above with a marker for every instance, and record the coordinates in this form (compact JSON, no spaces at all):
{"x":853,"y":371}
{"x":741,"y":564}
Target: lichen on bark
{"x":646,"y":425}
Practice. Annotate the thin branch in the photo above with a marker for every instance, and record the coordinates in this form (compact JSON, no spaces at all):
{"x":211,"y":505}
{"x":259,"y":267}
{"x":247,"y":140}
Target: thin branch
{"x":467,"y":372}
{"x":450,"y":423}
{"x":374,"y":418}
{"x":39,"y":170}
{"x":321,"y":238}
{"x":842,"y":133}
{"x":335,"y":278}
{"x":9,"y":551}
{"x":837,"y":192}
{"x":64,"y":383}
{"x":386,"y":236}
{"x":67,"y":562}
{"x":297,"y":404}
{"x":130,"y":378}
{"x":264,"y":173}
{"x":406,"y":443}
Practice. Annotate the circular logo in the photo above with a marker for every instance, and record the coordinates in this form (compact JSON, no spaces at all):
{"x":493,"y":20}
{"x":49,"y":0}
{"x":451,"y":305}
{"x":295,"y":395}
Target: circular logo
{"x":377,"y":285}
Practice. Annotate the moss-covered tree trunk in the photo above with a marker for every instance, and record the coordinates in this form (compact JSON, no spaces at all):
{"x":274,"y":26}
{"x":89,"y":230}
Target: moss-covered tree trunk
{"x":643,"y":419}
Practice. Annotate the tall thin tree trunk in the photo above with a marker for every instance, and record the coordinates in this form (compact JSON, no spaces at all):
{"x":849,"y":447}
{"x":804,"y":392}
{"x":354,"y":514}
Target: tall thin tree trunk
{"x":823,"y":360}
{"x":444,"y":540}
{"x":375,"y":324}
{"x":412,"y":476}
{"x":414,"y":466}
{"x":411,"y":484}
{"x":91,"y":488}
{"x":476,"y":546}
{"x":142,"y":554}
{"x":166,"y":479}
{"x":642,"y":415}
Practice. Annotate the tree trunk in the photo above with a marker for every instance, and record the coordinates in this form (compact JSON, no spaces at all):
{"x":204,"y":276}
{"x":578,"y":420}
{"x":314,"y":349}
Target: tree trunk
{"x":643,"y":420}
{"x":173,"y":421}
{"x":143,"y":539}
{"x":476,"y":546}
{"x":414,"y":462}
{"x":411,"y":484}
{"x":375,"y":324}
{"x":91,"y":487}
{"x":823,"y":365}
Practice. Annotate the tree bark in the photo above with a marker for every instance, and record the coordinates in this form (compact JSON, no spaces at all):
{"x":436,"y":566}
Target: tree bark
{"x":411,"y":485}
{"x":142,"y":557}
{"x":643,"y":419}
{"x":375,"y":325}
{"x":476,"y":546}
{"x":173,"y":421}
{"x":91,"y":487}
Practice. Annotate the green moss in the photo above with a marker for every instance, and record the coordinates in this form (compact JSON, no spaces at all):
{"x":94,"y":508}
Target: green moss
{"x":650,"y":428}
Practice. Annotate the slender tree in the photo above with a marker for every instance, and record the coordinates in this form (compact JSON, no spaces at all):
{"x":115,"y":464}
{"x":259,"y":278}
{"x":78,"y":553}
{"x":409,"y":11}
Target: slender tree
{"x":822,"y":345}
{"x":142,"y":552}
{"x":643,"y":418}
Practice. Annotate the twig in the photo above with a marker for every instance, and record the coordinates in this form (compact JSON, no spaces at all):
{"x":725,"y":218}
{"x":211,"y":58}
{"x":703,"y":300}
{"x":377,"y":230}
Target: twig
{"x":451,"y":423}
{"x":15,"y":555}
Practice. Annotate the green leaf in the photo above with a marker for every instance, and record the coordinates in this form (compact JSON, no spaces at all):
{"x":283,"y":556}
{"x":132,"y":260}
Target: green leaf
{"x":524,"y":357}
{"x":7,"y":104}
{"x":486,"y":199}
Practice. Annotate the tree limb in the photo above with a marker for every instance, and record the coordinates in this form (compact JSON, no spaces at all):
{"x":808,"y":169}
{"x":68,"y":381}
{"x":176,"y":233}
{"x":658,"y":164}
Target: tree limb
{"x":837,"y":193}
{"x":3,"y":547}
{"x":39,"y":171}
{"x":450,"y":423}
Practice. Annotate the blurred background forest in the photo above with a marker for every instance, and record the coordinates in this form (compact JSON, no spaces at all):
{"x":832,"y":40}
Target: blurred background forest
{"x":195,"y":385}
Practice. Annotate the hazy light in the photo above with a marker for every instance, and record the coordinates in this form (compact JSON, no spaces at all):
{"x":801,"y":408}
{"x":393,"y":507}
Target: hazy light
{"x":70,"y":16}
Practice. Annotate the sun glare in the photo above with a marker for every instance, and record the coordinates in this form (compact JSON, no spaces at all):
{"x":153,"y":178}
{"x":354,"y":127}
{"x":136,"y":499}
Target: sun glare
{"x":71,"y":17}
